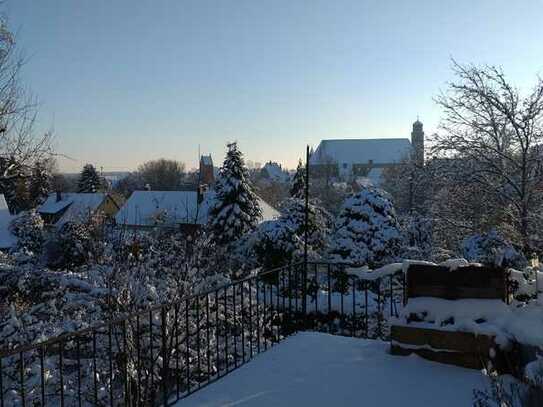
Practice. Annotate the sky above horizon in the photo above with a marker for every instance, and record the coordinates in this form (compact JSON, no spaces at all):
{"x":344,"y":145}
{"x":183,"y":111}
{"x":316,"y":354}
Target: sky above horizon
{"x":123,"y":82}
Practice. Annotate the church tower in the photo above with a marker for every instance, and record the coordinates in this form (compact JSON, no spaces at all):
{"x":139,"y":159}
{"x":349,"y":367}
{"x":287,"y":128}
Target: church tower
{"x":417,"y":142}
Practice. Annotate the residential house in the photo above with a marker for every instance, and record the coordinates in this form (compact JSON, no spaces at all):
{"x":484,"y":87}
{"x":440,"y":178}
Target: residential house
{"x":62,"y":207}
{"x":187,"y":210}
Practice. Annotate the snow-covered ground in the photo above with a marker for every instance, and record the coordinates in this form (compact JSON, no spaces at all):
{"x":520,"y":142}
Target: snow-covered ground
{"x":323,"y":370}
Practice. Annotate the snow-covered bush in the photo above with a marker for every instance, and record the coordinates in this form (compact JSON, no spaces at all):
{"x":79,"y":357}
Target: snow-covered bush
{"x":366,"y":230}
{"x":506,"y":391}
{"x":278,"y":242}
{"x":275,"y":243}
{"x":492,"y":249}
{"x":45,"y":303}
{"x":28,"y":228}
{"x":523,"y":284}
{"x":71,"y":246}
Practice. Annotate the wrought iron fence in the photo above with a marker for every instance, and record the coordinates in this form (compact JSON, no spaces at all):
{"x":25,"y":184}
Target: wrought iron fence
{"x":169,"y":351}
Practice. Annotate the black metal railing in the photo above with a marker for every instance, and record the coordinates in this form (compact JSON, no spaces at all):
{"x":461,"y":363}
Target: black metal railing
{"x":162,"y":354}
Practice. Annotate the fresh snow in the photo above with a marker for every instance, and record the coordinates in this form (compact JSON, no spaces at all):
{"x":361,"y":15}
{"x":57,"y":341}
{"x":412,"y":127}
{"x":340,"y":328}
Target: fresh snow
{"x":492,"y":317}
{"x":364,"y":273}
{"x":320,"y":370}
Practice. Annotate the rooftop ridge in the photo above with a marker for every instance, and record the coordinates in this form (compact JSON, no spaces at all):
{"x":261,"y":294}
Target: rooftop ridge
{"x":367,"y":139}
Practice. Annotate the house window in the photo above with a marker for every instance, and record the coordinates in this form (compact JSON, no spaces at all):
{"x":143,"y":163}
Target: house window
{"x":345,"y":166}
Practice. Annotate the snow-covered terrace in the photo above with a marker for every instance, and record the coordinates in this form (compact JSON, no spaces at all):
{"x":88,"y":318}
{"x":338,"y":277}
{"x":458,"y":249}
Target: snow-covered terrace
{"x":314,"y":369}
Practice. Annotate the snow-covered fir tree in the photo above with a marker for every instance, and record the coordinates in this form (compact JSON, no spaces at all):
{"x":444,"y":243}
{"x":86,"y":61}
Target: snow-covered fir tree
{"x":366,"y":230}
{"x":40,"y":184}
{"x":319,"y":225}
{"x":297,"y":190}
{"x":236,"y":210}
{"x":89,"y":180}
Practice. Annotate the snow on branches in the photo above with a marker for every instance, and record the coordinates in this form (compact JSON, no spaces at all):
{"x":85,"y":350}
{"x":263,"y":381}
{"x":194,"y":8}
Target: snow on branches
{"x":28,"y":228}
{"x":297,"y":189}
{"x":89,"y":180}
{"x":493,"y":249}
{"x":277,"y":242}
{"x":236,"y":210}
{"x":366,"y":230}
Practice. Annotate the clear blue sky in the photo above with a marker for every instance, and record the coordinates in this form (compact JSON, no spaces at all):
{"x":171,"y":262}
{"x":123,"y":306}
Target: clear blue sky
{"x":127,"y":81}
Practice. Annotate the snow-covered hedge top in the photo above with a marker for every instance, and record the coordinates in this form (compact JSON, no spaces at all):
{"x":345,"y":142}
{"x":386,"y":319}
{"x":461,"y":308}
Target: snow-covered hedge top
{"x":365,"y":273}
{"x":491,"y":317}
{"x":493,"y":249}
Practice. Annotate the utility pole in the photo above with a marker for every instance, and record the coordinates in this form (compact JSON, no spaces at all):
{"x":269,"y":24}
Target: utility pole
{"x":306,"y":231}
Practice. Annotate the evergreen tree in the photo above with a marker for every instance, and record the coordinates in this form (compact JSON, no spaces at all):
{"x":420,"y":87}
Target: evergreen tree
{"x":319,"y":224}
{"x":297,"y":189}
{"x":367,"y":230}
{"x":89,"y":180}
{"x":277,"y":242}
{"x":40,"y":184}
{"x":236,"y":210}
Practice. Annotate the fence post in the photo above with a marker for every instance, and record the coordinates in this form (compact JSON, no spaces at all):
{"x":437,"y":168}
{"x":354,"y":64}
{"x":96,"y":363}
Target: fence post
{"x":165,"y":359}
{"x":306,"y":232}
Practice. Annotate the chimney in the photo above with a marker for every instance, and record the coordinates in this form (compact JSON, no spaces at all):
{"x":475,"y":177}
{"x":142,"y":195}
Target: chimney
{"x":59,"y":196}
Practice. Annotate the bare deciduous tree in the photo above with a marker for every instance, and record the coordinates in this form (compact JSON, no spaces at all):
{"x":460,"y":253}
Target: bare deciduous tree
{"x":18,"y":108}
{"x":20,"y":146}
{"x":162,"y":174}
{"x":493,"y":130}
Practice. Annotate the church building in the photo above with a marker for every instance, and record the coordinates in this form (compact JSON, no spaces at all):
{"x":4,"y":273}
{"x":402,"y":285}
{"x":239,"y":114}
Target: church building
{"x":348,"y":159}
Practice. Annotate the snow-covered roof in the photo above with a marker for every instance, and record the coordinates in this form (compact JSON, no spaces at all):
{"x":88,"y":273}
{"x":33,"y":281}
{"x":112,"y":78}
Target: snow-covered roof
{"x":7,"y":240}
{"x":150,"y":208}
{"x":275,"y":172}
{"x":361,"y":151}
{"x":78,"y":206}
